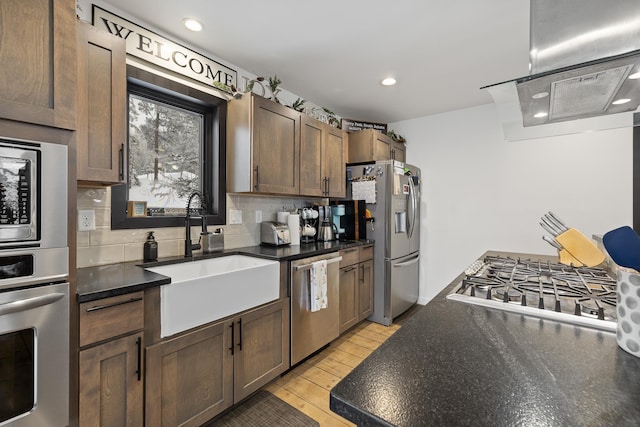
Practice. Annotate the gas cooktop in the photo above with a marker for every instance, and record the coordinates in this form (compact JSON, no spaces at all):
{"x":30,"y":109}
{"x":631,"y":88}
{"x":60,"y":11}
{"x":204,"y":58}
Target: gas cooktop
{"x":584,"y":296}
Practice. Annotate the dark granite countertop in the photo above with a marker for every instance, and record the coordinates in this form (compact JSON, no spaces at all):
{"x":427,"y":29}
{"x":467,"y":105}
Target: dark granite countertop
{"x":117,"y":279}
{"x":460,"y":364}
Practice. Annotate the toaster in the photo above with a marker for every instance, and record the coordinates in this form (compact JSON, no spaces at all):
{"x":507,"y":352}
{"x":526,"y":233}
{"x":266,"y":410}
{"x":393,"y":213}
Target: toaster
{"x":274,"y":233}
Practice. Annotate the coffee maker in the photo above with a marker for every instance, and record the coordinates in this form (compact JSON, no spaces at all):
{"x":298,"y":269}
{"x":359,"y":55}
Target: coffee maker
{"x":337,"y":212}
{"x":353,"y":222}
{"x":326,"y":228}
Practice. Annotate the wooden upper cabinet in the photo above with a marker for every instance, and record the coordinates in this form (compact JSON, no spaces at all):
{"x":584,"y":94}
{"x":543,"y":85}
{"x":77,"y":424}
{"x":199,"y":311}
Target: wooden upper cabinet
{"x":38,"y":62}
{"x":312,"y":151}
{"x":335,"y":160}
{"x":399,"y":152}
{"x":102,"y":98}
{"x":370,"y":145}
{"x":276,"y":147}
{"x":263,"y":146}
{"x":322,"y":159}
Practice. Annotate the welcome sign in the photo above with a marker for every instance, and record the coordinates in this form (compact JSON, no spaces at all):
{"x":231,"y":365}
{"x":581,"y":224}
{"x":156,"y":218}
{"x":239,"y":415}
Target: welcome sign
{"x":152,"y":47}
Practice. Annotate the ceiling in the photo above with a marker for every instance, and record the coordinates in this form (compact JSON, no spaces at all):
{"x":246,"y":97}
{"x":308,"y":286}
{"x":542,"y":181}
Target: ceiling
{"x":334,"y":53}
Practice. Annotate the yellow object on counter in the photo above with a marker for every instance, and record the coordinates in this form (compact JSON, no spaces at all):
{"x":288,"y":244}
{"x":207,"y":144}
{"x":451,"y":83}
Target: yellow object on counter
{"x":580,"y":247}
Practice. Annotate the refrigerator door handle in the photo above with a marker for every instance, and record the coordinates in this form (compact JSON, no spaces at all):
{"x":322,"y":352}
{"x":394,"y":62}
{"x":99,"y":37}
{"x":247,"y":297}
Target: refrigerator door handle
{"x":409,"y":262}
{"x":412,"y":194}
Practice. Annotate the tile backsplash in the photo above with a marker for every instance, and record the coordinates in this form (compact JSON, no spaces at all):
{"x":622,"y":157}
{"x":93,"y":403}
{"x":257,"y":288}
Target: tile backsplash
{"x":106,"y":246}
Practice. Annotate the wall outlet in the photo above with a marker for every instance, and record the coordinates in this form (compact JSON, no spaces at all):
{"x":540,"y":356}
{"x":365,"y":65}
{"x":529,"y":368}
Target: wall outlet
{"x":258,"y":216}
{"x":235,"y":216}
{"x":86,"y":220}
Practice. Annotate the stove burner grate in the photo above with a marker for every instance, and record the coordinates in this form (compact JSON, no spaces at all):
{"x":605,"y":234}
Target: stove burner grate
{"x":578,"y":291}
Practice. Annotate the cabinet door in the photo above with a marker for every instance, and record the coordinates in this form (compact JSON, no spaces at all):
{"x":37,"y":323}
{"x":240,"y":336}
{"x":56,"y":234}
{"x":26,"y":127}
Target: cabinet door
{"x":276,"y":147}
{"x":348,"y":297}
{"x":38,"y":62}
{"x":381,"y":146}
{"x":102,"y":98}
{"x":399,"y":152}
{"x":365,"y":291}
{"x":111,"y":384}
{"x":334,"y":161}
{"x":262,"y":347}
{"x":189,"y":378}
{"x":312,"y":176}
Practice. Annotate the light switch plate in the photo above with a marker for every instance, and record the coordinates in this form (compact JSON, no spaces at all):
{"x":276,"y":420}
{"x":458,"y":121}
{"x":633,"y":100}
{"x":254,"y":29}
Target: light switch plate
{"x":235,"y":216}
{"x":86,"y":220}
{"x":258,"y":216}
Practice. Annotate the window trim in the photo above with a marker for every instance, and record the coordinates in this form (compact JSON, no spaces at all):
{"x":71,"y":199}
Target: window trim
{"x":159,"y":86}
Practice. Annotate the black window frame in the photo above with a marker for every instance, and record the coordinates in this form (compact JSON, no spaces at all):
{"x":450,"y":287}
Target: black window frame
{"x":156,"y":87}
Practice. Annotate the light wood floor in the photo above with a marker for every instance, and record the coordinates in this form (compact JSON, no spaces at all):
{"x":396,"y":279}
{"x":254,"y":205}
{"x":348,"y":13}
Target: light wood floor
{"x":307,"y":386}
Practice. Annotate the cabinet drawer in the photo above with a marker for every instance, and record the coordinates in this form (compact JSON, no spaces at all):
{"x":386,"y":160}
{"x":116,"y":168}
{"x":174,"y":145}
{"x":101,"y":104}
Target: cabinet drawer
{"x":366,"y":253}
{"x":349,"y":256}
{"x":110,"y":317}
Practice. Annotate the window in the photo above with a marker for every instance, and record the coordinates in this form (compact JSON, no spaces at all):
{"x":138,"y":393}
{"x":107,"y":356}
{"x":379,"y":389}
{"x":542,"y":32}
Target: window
{"x":175,"y":146}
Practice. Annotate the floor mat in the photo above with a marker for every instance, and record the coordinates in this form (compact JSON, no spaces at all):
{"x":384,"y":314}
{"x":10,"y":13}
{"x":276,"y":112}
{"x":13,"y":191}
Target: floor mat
{"x":263,"y":409}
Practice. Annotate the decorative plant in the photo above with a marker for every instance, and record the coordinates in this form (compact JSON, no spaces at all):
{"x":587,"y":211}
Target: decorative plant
{"x":224,"y":87}
{"x":396,"y":137}
{"x":298,"y":104}
{"x":252,"y":82}
{"x":273,"y":86}
{"x":333,"y":120}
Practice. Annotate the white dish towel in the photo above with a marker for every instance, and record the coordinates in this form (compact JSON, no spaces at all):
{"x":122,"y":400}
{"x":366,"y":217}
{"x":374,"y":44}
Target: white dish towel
{"x":318,"y":285}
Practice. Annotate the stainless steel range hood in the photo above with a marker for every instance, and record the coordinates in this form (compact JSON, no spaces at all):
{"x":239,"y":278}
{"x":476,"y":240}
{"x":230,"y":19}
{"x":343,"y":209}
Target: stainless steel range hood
{"x":585,"y":65}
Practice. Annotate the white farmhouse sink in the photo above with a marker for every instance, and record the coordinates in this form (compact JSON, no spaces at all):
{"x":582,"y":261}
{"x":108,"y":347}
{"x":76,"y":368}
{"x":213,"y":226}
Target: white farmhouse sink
{"x":204,"y":291}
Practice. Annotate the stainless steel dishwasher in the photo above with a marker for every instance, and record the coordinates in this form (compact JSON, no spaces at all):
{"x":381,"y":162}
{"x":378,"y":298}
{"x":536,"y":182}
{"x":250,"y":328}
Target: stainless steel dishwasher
{"x":311,"y":331}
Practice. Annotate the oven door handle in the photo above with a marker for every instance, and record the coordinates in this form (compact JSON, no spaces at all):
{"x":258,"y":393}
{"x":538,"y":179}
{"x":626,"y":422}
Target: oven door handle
{"x":29,"y":303}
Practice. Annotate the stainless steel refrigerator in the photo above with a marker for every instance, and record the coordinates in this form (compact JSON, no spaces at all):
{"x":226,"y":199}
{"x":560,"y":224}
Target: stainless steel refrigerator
{"x":392,"y":192}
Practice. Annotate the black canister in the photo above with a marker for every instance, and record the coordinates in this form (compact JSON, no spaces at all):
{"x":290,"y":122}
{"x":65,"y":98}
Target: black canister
{"x":150,"y":248}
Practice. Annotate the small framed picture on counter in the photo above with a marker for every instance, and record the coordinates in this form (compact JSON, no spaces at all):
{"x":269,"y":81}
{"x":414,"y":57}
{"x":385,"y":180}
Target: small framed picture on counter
{"x":136,"y":209}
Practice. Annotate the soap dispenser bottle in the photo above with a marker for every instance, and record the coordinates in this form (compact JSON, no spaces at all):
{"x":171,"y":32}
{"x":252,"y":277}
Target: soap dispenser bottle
{"x":150,"y":248}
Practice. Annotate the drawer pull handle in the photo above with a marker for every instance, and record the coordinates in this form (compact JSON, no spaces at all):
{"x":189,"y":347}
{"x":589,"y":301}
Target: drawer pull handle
{"x":139,"y":370}
{"x":232,"y":337}
{"x":115,"y":304}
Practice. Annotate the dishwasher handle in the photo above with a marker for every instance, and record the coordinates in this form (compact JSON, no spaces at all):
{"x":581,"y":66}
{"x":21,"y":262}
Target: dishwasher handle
{"x":308,"y":266}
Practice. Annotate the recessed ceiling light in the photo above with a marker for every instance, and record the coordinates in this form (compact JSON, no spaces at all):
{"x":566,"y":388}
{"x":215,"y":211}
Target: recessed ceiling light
{"x":621,"y":101}
{"x":540,"y":115}
{"x":635,"y":76}
{"x":193,"y":24}
{"x":540,"y":95}
{"x":389,"y":81}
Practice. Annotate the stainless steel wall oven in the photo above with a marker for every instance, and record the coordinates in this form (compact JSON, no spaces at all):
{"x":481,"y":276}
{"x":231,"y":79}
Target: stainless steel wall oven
{"x":34,"y":292}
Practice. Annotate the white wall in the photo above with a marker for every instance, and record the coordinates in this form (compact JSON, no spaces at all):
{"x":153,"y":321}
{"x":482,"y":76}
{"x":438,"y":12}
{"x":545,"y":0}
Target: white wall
{"x":482,"y":193}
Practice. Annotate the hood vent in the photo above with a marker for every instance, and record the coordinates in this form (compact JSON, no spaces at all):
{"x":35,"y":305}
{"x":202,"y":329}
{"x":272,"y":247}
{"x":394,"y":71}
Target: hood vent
{"x":584,"y":59}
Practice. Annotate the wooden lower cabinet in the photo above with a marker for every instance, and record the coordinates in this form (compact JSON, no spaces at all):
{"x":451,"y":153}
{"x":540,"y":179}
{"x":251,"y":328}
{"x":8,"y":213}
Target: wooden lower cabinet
{"x":348,"y":297}
{"x":365,"y":297}
{"x":111,"y":383}
{"x":197,"y":375}
{"x":262,"y":347}
{"x":356,"y":286}
{"x":189,"y":379}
